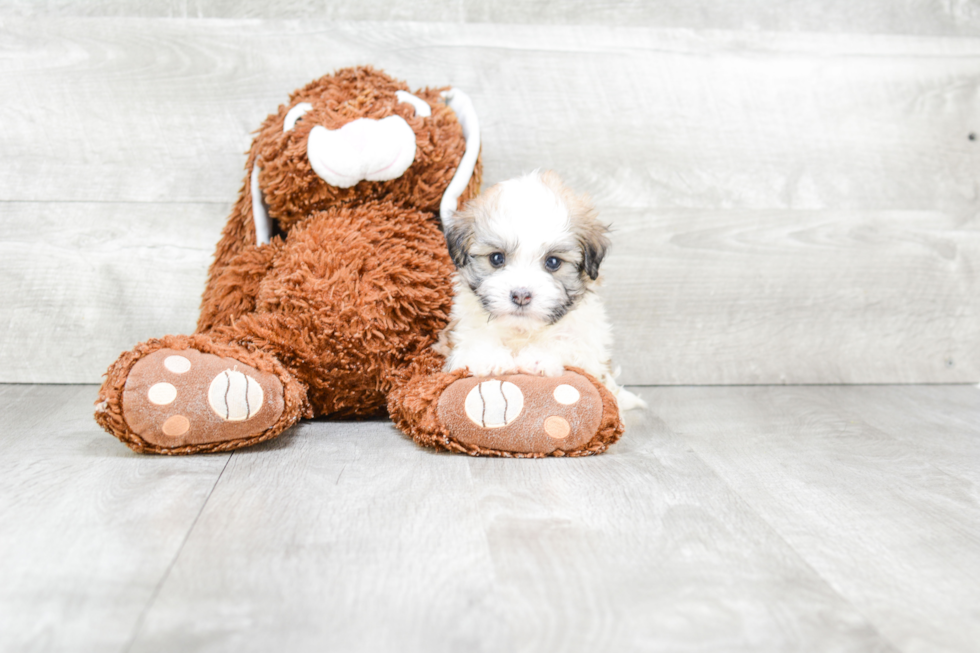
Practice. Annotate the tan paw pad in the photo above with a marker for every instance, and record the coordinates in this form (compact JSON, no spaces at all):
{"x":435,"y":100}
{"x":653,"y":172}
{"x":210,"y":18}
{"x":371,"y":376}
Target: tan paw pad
{"x":521,"y":413}
{"x":557,"y":427}
{"x":176,"y":425}
{"x":177,"y":398}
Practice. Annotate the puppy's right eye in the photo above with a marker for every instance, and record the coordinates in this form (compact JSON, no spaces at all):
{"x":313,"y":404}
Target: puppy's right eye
{"x":497,"y":259}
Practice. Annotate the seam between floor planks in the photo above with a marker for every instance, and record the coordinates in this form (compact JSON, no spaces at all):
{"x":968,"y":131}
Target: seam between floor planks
{"x":803,"y":559}
{"x":166,"y":574}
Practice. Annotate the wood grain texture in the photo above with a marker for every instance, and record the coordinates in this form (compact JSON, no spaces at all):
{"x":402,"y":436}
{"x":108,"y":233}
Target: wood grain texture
{"x":730,"y":297}
{"x":887,"y":516}
{"x":727,"y":519}
{"x":737,"y":519}
{"x":834,"y":176}
{"x":158,"y":110}
{"x":88,"y":528}
{"x":940,"y":424}
{"x":83,"y":282}
{"x":873,"y":17}
{"x":348,"y":537}
{"x":695,"y":296}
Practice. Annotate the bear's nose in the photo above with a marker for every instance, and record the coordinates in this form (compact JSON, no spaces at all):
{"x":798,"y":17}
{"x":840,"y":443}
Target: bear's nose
{"x":520,"y":296}
{"x":376,"y":150}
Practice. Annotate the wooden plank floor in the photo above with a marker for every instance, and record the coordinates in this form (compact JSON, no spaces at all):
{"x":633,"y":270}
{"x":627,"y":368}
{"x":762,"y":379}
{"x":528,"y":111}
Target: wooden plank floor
{"x":765,"y":518}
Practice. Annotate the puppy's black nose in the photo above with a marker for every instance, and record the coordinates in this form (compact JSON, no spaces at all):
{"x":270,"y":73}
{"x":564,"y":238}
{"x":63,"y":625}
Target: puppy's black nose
{"x":520,"y":296}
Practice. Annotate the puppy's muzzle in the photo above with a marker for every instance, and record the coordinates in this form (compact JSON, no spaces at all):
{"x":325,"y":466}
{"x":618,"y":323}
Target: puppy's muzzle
{"x":375,"y":150}
{"x":520,"y":296}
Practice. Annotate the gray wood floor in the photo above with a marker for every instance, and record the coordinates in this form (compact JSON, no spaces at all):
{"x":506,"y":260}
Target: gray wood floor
{"x":766,"y":518}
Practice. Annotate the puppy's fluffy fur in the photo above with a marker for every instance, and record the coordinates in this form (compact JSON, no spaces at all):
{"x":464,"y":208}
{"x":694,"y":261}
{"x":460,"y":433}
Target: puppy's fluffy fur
{"x":527,"y":255}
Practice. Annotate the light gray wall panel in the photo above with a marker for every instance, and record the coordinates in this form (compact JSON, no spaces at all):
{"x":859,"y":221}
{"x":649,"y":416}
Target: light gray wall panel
{"x":83,"y":282}
{"x":792,"y":208}
{"x":730,"y":297}
{"x":696,"y":297}
{"x":960,"y":18}
{"x":156,"y":110}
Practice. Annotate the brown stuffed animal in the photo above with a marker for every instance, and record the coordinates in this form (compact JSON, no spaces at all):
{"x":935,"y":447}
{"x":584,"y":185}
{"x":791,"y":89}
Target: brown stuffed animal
{"x":329,"y":288}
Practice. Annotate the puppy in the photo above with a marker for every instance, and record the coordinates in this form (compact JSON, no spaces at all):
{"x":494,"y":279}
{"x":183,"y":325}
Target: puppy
{"x":527,"y":255}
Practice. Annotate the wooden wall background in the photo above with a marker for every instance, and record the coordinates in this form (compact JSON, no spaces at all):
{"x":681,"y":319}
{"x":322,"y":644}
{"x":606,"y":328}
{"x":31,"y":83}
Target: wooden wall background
{"x":794,"y":187}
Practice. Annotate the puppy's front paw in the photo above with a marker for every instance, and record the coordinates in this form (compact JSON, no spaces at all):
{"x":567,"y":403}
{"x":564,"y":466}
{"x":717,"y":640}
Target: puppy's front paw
{"x":483,"y":361}
{"x":539,"y":362}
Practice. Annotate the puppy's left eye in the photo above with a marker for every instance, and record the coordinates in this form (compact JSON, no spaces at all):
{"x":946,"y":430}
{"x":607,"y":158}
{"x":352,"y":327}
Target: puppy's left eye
{"x":497,"y":259}
{"x":552,"y":263}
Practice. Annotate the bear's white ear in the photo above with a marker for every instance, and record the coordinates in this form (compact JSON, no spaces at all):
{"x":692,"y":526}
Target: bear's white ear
{"x":461,"y":104}
{"x":260,"y":214}
{"x":422,"y":107}
{"x":294,"y":114}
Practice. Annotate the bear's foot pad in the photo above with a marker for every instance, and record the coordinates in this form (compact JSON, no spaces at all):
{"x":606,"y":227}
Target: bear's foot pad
{"x":519,"y":413}
{"x":175,"y":398}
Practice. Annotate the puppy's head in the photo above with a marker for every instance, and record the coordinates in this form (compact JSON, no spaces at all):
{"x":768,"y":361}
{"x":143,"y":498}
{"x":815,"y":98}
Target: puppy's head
{"x":528,"y":248}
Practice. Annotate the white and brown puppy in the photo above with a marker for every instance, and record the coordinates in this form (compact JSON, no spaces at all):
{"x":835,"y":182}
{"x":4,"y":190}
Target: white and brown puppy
{"x":527,"y":255}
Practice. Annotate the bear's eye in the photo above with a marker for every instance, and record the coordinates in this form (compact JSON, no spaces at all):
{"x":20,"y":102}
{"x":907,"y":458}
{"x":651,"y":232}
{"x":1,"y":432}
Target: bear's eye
{"x":497,"y":259}
{"x":294,"y":114}
{"x":552,"y":263}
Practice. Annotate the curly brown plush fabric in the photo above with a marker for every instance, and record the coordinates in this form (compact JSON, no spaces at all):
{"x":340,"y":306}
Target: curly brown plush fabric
{"x":343,"y":306}
{"x":354,"y":295}
{"x":355,"y":286}
{"x":292,"y":189}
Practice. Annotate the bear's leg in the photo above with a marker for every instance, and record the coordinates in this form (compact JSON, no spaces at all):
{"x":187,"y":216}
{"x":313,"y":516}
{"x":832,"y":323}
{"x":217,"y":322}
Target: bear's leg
{"x":233,"y":288}
{"x":514,"y":415}
{"x":193,"y":394}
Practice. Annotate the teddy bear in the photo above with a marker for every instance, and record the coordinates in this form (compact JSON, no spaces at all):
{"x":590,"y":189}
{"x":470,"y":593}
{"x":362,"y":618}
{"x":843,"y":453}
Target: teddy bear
{"x":329,"y":289}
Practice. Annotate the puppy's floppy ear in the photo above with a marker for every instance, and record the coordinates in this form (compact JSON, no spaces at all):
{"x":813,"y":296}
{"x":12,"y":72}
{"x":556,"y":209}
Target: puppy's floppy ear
{"x":459,"y":237}
{"x":461,"y":229}
{"x":593,"y":241}
{"x":584,"y":221}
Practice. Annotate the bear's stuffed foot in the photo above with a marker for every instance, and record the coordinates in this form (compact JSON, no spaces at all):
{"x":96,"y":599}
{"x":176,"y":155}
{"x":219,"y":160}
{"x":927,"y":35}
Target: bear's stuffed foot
{"x":179,"y":400}
{"x":175,"y":398}
{"x":514,"y":415}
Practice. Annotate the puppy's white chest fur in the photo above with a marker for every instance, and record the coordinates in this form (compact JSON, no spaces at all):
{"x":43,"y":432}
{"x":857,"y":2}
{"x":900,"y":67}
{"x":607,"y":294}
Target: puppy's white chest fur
{"x":582,"y":338}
